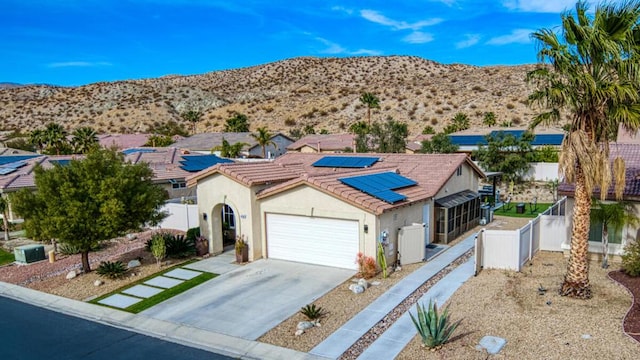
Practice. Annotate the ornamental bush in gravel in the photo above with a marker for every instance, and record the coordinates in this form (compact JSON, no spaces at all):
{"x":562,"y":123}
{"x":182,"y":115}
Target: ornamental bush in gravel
{"x":631,"y":259}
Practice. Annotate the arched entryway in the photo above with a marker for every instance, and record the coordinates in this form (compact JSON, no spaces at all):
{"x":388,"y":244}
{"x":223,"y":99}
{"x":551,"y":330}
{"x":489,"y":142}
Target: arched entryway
{"x":224,"y":227}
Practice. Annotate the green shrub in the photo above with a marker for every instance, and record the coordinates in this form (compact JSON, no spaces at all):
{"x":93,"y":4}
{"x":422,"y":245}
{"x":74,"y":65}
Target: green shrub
{"x":112,"y":270}
{"x":71,"y":249}
{"x":193,"y":234}
{"x":434,"y":329}
{"x":312,"y":312}
{"x":631,"y":259}
{"x":178,"y":246}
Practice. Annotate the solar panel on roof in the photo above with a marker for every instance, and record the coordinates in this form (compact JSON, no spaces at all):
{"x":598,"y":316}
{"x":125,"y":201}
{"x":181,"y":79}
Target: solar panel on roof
{"x":194,"y":163}
{"x":6,"y":170}
{"x":137,"y":150}
{"x":346,"y":161}
{"x":15,"y":158}
{"x":380,"y":185}
{"x":61,"y":162}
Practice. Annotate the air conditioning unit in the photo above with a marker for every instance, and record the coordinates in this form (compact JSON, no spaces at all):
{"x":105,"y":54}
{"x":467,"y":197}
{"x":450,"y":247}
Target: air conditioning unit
{"x":27,"y":254}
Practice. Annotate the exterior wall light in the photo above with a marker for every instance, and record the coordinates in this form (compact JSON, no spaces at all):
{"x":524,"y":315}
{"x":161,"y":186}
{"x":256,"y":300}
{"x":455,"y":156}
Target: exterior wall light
{"x":204,"y":216}
{"x":366,"y":228}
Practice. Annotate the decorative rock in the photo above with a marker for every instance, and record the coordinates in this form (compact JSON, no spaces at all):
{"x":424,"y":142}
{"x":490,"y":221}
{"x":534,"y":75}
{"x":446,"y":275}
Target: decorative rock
{"x":71,"y":274}
{"x":376,"y":283}
{"x":299,"y":332}
{"x":132,"y":236}
{"x":492,"y":344}
{"x":357,"y":289}
{"x":304,"y":325}
{"x":133,"y":264}
{"x":586,"y":336}
{"x":98,"y":283}
{"x":364,"y":283}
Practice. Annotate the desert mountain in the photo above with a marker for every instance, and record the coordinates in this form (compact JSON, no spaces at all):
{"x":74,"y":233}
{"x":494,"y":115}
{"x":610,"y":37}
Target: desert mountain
{"x":322,"y":92}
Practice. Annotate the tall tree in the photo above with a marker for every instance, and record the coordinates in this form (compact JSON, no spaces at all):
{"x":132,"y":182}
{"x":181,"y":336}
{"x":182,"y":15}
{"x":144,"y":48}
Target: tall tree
{"x":4,"y":210}
{"x":389,"y":137}
{"x":89,"y":201}
{"x":36,"y":138}
{"x":489,"y":119}
{"x":614,"y":215}
{"x":438,"y":144}
{"x":55,"y":138}
{"x":237,"y":123}
{"x":263,"y":137}
{"x":371,"y":102}
{"x":361,"y":129}
{"x":228,"y":150}
{"x":507,"y":154}
{"x":84,"y":139}
{"x":193,"y":117}
{"x":592,"y":71}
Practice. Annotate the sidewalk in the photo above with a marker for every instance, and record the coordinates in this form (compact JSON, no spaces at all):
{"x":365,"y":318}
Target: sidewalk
{"x":340,"y":341}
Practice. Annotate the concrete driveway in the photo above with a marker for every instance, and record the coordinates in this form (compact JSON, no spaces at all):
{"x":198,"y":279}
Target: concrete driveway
{"x":251,"y":299}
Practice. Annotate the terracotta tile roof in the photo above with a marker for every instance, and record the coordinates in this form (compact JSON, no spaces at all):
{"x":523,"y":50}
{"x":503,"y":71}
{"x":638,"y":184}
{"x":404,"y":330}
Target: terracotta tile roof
{"x":23,"y":177}
{"x":324,"y":142}
{"x":631,"y":155}
{"x":122,"y":141}
{"x":206,"y":141}
{"x":431,"y":171}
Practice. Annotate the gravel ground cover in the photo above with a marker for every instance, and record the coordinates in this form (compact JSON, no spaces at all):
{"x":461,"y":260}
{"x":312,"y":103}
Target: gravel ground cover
{"x":507,"y":304}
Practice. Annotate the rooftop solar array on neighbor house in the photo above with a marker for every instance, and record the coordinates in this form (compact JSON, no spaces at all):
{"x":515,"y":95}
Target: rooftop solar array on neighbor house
{"x":193,"y":163}
{"x":346,"y":161}
{"x":4,"y":160}
{"x":538,"y":139}
{"x":61,"y":162}
{"x":137,"y":150}
{"x":380,"y":185}
{"x":7,"y":167}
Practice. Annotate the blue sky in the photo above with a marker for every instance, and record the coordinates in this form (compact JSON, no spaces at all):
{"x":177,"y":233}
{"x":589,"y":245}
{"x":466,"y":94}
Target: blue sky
{"x":76,"y":42}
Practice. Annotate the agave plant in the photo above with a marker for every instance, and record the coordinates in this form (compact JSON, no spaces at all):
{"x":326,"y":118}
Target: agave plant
{"x":112,"y":270}
{"x":434,"y":329}
{"x":312,"y":312}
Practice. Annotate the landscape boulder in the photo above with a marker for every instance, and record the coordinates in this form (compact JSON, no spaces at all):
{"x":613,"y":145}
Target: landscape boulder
{"x":71,"y":274}
{"x":133,"y":264}
{"x":98,"y":283}
{"x":357,"y":289}
{"x":364,"y":283}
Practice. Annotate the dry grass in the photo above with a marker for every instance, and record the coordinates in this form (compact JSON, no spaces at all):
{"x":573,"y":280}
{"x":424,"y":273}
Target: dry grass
{"x":323,"y":93}
{"x":507,"y":304}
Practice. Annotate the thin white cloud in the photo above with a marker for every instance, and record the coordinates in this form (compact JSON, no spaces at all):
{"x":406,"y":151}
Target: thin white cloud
{"x":517,"y":36}
{"x":337,"y":49}
{"x":418,"y":37}
{"x":342,"y":9}
{"x":539,"y":6}
{"x":470,"y":40}
{"x":378,"y":18}
{"x":79,"y":64}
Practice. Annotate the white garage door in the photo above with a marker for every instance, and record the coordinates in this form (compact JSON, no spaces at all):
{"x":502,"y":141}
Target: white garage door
{"x":313,"y":240}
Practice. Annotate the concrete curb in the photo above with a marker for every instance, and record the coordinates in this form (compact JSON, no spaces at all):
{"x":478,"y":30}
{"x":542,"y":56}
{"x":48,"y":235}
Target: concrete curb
{"x":177,"y":333}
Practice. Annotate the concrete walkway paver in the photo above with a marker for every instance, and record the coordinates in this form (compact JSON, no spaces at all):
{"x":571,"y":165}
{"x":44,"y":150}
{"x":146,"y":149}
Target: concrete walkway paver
{"x":219,"y":264}
{"x":142,"y":291}
{"x":182,"y":274}
{"x":393,"y":341}
{"x":338,"y":342}
{"x":163,"y":282}
{"x":120,"y":301}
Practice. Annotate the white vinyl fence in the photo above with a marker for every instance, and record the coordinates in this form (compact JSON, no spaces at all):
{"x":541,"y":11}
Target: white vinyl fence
{"x":512,"y":249}
{"x":542,"y":172}
{"x":180,"y":216}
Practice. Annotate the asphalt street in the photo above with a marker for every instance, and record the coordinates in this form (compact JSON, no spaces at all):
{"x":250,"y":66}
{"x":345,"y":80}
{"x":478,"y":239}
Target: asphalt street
{"x":29,"y":332}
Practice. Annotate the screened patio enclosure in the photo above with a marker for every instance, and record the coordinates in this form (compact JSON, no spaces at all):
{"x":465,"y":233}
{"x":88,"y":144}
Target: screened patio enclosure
{"x":456,"y":214}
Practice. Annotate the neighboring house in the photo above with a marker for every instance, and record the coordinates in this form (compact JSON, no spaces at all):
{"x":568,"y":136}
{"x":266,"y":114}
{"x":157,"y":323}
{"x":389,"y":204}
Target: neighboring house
{"x":627,"y":137}
{"x":126,"y":141}
{"x":204,"y":142}
{"x":469,"y":140}
{"x":322,"y":209}
{"x":324,"y":143}
{"x":618,"y":237}
{"x":414,"y":145}
{"x":170,"y":168}
{"x":4,"y":151}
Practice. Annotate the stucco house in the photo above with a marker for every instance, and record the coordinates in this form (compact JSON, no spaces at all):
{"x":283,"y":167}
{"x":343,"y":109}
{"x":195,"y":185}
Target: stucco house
{"x":204,"y":142}
{"x":324,"y":209}
{"x":324,"y":143}
{"x":618,"y":237}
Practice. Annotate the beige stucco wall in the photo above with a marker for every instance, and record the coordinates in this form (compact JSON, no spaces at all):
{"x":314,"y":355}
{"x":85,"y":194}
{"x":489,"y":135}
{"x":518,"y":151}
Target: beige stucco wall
{"x":307,"y":201}
{"x":467,"y":181}
{"x":219,"y":189}
{"x":392,"y":221}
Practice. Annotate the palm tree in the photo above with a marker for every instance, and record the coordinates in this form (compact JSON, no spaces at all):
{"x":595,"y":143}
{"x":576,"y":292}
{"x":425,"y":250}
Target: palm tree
{"x":193,"y":117}
{"x":489,"y":119}
{"x":84,"y":139}
{"x":371,"y":102}
{"x":592,"y":71}
{"x":229,"y":151}
{"x":36,"y":138}
{"x":263,"y":137}
{"x":616,"y":215}
{"x":4,"y":210}
{"x":461,"y":121}
{"x":55,"y":137}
